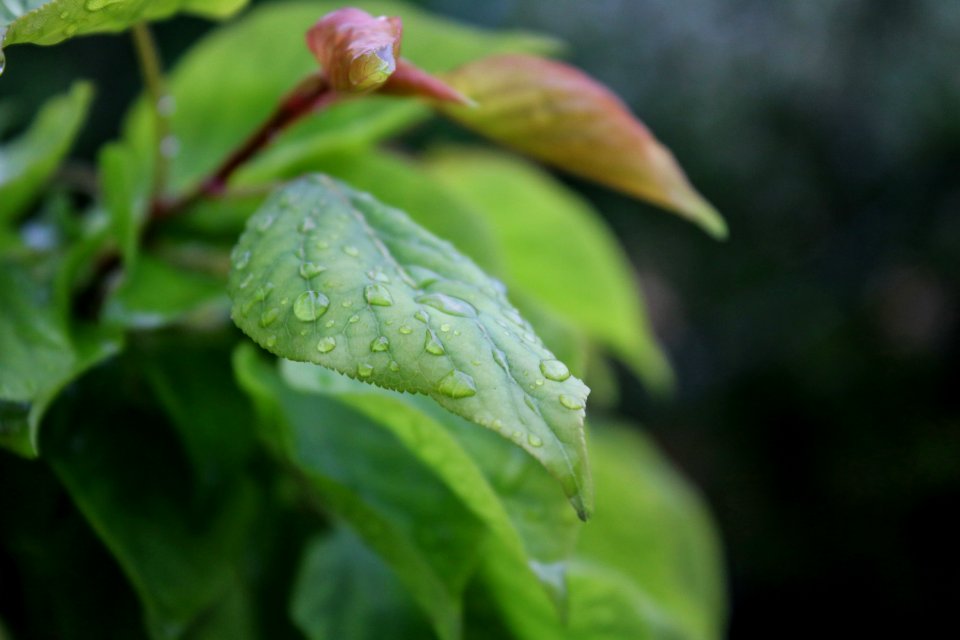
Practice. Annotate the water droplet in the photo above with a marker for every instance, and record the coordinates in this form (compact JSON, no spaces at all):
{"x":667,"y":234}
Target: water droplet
{"x":527,"y":400}
{"x":354,"y":319}
{"x":246,"y":307}
{"x":448,"y":304}
{"x":64,"y":14}
{"x":379,"y":295}
{"x":330,"y":323}
{"x":242,"y":261}
{"x":246,"y":281}
{"x":445,"y":328}
{"x":326,"y":345}
{"x":456,"y":332}
{"x":570,"y":402}
{"x":378,"y":275}
{"x":529,"y":337}
{"x":346,"y":304}
{"x":266,"y":220}
{"x":269,"y":316}
{"x":310,"y":269}
{"x":271,"y":342}
{"x":306,"y":225}
{"x":70,"y":29}
{"x":421,"y":277}
{"x":322,"y":245}
{"x":310,"y":305}
{"x":351,"y":250}
{"x":501,"y":359}
{"x":365,"y":370}
{"x":394,"y":366}
{"x":538,"y":382}
{"x":554,"y":370}
{"x":380,"y":344}
{"x":497,"y":424}
{"x":405,"y":330}
{"x":534,"y":440}
{"x":457,"y":384}
{"x":97,"y":5}
{"x":263,"y":291}
{"x":432,"y":345}
{"x":422,"y":316}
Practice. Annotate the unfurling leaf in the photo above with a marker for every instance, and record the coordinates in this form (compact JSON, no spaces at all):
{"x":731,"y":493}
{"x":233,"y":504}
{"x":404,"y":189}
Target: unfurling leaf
{"x":328,"y":275}
{"x":562,"y":116}
{"x":357,"y":51}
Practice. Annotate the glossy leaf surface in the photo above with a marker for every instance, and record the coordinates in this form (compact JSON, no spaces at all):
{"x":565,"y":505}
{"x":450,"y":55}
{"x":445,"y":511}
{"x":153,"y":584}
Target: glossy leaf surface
{"x":52,"y":21}
{"x":27,"y":162}
{"x":328,"y":275}
{"x":562,"y":116}
{"x":542,"y":226}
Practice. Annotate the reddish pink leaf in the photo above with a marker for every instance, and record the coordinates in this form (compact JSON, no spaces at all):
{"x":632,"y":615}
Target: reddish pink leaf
{"x":357,"y":51}
{"x":562,"y":116}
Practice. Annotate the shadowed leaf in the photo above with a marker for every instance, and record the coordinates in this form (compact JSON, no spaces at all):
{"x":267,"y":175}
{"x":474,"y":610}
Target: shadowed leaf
{"x":562,"y":116}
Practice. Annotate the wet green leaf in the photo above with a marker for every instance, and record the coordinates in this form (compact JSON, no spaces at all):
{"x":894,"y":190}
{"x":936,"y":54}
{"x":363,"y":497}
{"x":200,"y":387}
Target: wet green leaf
{"x":27,"y":162}
{"x":540,"y":225}
{"x":262,"y":56}
{"x":328,"y":275}
{"x":53,"y":21}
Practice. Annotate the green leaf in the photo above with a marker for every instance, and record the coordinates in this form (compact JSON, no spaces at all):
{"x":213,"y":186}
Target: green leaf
{"x":53,"y":21}
{"x":125,"y":194}
{"x":345,"y":591}
{"x":362,"y":474}
{"x":41,"y":351}
{"x":647,"y":566}
{"x":251,"y":79}
{"x":126,"y":472}
{"x":499,"y":483}
{"x":27,"y":162}
{"x":541,"y":225}
{"x":328,"y":275}
{"x":558,"y":114}
{"x":156,"y":293}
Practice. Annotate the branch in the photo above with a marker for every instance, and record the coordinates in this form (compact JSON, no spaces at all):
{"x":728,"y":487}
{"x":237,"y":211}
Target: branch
{"x":161,"y":103}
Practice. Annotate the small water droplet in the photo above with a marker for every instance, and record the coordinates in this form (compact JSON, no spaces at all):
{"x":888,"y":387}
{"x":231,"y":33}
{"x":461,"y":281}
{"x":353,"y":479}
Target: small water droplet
{"x":354,"y":319}
{"x":379,"y":295}
{"x":326,"y":345}
{"x":306,"y":225}
{"x":266,"y":220}
{"x":445,"y":328}
{"x":457,"y":384}
{"x":64,"y":14}
{"x":422,"y":316}
{"x":538,"y":382}
{"x":534,"y":440}
{"x":497,"y":424}
{"x":501,"y":359}
{"x":432,"y":345}
{"x":241,"y":261}
{"x":527,"y":400}
{"x":570,"y":402}
{"x":310,"y":269}
{"x":380,"y":344}
{"x":246,"y":281}
{"x":365,"y":370}
{"x":70,"y":29}
{"x":310,"y":305}
{"x":269,"y":316}
{"x":378,"y":275}
{"x":263,"y":292}
{"x":271,"y":342}
{"x":448,"y":304}
{"x":554,"y":370}
{"x":330,"y":323}
{"x":322,"y":245}
{"x":514,"y":316}
{"x":97,"y":5}
{"x":405,"y":330}
{"x":346,"y":304}
{"x":351,"y":250}
{"x":394,"y":366}
{"x":246,"y":307}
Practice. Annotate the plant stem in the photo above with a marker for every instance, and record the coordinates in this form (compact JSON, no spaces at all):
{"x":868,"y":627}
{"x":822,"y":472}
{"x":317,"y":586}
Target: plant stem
{"x":311,"y":94}
{"x":161,"y":102}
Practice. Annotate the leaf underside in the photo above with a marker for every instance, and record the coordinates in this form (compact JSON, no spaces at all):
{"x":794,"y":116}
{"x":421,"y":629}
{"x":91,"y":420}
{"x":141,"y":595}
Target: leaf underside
{"x":329,"y":275}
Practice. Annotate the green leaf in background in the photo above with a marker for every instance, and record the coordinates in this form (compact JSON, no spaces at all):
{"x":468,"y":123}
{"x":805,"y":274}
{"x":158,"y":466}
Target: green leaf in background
{"x":262,"y":56}
{"x":124,"y":468}
{"x":362,"y":474}
{"x":125,"y":195}
{"x":156,"y":293}
{"x":40,"y":352}
{"x":508,"y":490}
{"x":545,"y":229}
{"x":27,"y":162}
{"x":328,"y":275}
{"x":53,"y":21}
{"x":345,"y":591}
{"x":647,"y":566}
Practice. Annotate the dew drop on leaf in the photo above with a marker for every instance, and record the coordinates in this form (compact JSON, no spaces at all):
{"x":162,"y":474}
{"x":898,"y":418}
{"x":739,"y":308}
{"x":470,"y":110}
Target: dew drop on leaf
{"x":351,"y":250}
{"x":448,"y":304}
{"x":365,"y":370}
{"x":310,"y":269}
{"x":310,"y":305}
{"x":326,"y":345}
{"x":534,"y":440}
{"x":554,"y":370}
{"x":570,"y":402}
{"x":269,"y":316}
{"x":380,"y":344}
{"x":378,"y":295}
{"x":457,"y":384}
{"x":432,"y":345}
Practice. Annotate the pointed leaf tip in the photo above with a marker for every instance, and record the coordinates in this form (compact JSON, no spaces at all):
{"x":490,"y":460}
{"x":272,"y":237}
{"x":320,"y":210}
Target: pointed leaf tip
{"x":560,"y":115}
{"x":357,"y":51}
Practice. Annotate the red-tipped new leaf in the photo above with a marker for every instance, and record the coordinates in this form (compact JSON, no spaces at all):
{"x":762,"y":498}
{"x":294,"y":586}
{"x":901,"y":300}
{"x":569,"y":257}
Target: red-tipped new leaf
{"x":410,"y":80}
{"x":560,"y":115}
{"x":357,"y":51}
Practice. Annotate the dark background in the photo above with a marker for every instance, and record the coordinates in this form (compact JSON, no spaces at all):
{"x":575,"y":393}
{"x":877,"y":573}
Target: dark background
{"x":817,"y":349}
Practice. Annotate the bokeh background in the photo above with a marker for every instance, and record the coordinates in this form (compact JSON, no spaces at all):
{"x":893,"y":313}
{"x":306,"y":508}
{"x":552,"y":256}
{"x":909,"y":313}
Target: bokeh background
{"x":817,"y":350}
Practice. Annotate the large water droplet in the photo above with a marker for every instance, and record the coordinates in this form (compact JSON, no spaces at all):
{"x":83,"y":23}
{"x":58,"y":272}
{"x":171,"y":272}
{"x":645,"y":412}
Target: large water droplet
{"x":431,"y":345}
{"x":365,"y":370}
{"x":457,"y":384}
{"x":379,"y":295}
{"x":380,"y":344}
{"x":310,"y":305}
{"x":554,"y":370}
{"x":310,"y":269}
{"x":570,"y":402}
{"x":269,"y":316}
{"x":326,"y":345}
{"x":448,"y":304}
